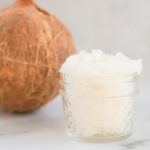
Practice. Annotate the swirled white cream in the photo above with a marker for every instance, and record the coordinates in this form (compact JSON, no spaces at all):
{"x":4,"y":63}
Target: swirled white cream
{"x":99,"y":89}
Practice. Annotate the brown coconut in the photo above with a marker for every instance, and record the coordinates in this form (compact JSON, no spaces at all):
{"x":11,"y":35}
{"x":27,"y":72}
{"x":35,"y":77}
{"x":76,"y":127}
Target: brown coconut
{"x":33,"y":45}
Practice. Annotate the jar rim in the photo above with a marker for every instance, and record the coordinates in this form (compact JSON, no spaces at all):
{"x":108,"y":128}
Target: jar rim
{"x":124,"y":77}
{"x":134,"y":74}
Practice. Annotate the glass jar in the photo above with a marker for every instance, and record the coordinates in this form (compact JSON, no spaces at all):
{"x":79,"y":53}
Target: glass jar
{"x":100,"y":110}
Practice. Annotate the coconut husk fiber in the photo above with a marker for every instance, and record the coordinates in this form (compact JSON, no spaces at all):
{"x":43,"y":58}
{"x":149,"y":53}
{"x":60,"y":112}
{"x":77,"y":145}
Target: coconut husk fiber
{"x":33,"y":45}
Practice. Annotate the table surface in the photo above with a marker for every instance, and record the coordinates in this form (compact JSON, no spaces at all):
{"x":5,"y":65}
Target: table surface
{"x":44,"y":129}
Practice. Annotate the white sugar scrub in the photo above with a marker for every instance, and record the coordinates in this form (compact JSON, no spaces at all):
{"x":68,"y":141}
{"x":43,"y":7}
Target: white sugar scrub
{"x":98,"y":92}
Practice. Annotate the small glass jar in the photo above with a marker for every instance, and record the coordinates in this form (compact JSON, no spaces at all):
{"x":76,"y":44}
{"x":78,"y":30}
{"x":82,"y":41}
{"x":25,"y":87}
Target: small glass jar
{"x":100,"y":110}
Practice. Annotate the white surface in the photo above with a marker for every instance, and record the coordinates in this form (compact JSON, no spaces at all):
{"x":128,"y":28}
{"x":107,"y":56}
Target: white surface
{"x":112,"y":25}
{"x":44,"y":129}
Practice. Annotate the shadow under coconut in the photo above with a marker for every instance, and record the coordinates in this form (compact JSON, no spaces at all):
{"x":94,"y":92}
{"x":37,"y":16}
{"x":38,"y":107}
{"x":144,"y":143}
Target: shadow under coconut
{"x":19,"y":123}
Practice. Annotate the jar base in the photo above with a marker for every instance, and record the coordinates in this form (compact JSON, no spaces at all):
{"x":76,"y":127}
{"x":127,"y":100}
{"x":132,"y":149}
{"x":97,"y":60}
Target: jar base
{"x":99,"y":139}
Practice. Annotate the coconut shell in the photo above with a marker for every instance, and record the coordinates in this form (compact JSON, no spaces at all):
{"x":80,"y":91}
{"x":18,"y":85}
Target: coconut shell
{"x":33,"y":45}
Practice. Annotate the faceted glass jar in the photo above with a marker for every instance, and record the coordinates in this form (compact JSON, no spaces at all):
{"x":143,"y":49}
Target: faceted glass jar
{"x":100,"y":111}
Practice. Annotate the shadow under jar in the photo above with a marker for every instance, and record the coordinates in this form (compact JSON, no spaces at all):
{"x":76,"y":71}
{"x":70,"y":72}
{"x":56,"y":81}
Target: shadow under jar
{"x":100,"y":110}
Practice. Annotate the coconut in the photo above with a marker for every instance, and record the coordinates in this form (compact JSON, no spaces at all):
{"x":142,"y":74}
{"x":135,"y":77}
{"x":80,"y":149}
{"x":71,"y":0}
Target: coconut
{"x":33,"y":45}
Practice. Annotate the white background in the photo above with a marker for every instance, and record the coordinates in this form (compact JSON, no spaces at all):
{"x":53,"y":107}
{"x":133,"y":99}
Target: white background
{"x":112,"y":25}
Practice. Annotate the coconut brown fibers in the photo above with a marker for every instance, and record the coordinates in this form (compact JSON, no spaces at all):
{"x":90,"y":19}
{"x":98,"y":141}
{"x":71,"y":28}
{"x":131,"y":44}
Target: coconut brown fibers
{"x":33,"y":45}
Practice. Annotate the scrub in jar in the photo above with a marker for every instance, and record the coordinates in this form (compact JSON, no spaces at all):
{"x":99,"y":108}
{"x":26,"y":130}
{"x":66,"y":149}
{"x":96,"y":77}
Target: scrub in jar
{"x":98,"y":92}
